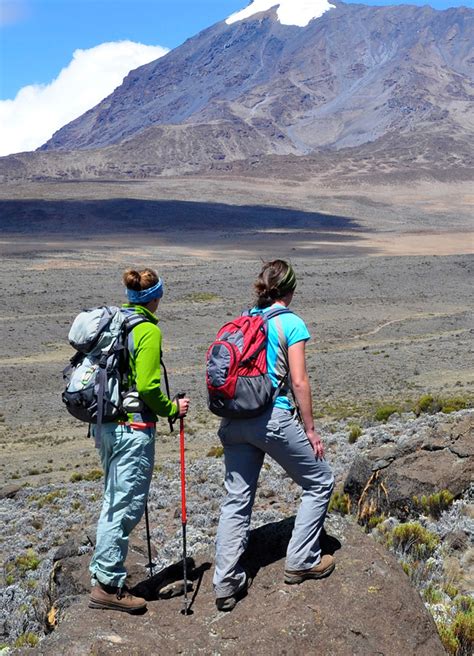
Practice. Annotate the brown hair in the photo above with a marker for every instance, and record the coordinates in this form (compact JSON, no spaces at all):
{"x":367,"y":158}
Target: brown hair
{"x":276,"y":280}
{"x":140,"y":280}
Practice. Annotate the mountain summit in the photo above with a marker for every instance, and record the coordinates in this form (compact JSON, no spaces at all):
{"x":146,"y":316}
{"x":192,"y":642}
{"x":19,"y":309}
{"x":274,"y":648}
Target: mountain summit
{"x":289,"y":79}
{"x":290,"y":12}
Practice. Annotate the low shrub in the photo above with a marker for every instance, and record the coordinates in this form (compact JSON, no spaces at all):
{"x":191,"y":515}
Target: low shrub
{"x":374,"y":520}
{"x":18,"y":568}
{"x":94,"y":475}
{"x":26,"y":640}
{"x":384,"y":412}
{"x":451,"y":590}
{"x":340,"y":503}
{"x":29,"y":561}
{"x":50,"y":498}
{"x":412,"y":539}
{"x":458,"y":636}
{"x":453,"y":405}
{"x":215,"y":452}
{"x":355,"y":431}
{"x":432,"y":404}
{"x":435,"y":504}
{"x":427,"y":404}
{"x":432,"y":595}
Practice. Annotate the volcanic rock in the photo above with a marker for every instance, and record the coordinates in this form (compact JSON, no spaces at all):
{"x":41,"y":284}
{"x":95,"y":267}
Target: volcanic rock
{"x":366,"y":606}
{"x":391,"y":477}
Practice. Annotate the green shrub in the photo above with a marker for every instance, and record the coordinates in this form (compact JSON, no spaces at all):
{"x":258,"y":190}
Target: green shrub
{"x":215,"y":452}
{"x":432,"y":595}
{"x":340,"y":503}
{"x":93,"y":475}
{"x":355,"y":431}
{"x":451,"y":590}
{"x":407,"y":568}
{"x":434,"y":504}
{"x":453,"y":405}
{"x":413,"y":539}
{"x":458,"y":636}
{"x":428,"y":404}
{"x":26,"y":562}
{"x":464,"y":604}
{"x":433,"y":404}
{"x":384,"y":412}
{"x":26,"y":640}
{"x":447,"y":637}
{"x":50,"y":498}
{"x":76,"y":477}
{"x":375,"y":520}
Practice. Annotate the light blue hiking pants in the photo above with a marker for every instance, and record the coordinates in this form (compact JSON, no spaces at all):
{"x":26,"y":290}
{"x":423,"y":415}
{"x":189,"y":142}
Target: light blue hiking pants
{"x":127,"y":456}
{"x":246,"y":441}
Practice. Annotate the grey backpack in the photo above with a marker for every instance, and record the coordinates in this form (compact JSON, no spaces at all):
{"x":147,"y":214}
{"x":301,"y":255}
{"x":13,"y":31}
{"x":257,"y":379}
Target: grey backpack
{"x":96,"y":378}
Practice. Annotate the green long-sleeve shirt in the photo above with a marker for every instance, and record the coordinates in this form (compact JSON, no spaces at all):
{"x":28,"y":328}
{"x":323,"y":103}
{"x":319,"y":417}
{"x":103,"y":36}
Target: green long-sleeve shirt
{"x":144,"y":367}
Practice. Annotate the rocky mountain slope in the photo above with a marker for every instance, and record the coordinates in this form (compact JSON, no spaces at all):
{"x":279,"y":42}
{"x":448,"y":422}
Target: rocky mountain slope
{"x":368,"y":605}
{"x":243,"y":90}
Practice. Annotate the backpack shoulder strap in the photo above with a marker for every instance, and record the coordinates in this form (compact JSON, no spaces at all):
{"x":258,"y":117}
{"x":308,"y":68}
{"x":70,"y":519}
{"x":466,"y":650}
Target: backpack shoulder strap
{"x":276,"y":313}
{"x":134,"y":319}
{"x":267,"y":315}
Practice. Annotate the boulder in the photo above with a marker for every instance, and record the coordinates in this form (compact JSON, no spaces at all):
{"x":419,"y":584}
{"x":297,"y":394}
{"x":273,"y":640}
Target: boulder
{"x":9,"y":491}
{"x":367,"y":606}
{"x":389,"y":478}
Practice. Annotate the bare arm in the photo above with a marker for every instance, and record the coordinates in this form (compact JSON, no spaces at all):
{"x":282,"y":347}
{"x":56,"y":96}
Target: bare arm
{"x":302,"y":392}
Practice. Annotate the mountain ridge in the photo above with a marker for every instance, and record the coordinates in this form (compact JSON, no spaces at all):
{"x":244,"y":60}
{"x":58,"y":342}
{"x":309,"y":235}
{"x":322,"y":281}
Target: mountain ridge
{"x":350,"y":81}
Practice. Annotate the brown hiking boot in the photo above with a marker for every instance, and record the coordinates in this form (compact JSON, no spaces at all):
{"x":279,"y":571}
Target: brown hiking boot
{"x":227,"y":604}
{"x":108,"y":597}
{"x":319,"y":571}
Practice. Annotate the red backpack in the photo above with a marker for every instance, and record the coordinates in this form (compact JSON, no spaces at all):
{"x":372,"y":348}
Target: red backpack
{"x":237,"y":379}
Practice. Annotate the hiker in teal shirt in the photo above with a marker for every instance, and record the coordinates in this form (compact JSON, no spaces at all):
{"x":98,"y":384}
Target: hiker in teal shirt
{"x":279,"y":433}
{"x":127,"y":447}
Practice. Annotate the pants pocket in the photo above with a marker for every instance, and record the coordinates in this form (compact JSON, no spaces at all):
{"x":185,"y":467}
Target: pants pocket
{"x":275,"y":431}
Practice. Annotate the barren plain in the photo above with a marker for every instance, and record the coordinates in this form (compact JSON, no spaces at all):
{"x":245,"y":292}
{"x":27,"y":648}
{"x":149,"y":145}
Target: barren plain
{"x":385,"y":285}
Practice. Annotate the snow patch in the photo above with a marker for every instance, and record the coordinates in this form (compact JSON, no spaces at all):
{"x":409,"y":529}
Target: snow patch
{"x":290,"y":12}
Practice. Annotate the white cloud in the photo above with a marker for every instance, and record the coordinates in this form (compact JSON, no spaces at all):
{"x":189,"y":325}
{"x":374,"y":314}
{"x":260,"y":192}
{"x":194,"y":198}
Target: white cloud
{"x":290,"y":12}
{"x":38,"y":110}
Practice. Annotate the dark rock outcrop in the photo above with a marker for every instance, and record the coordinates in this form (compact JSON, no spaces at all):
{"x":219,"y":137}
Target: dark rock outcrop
{"x":391,"y":477}
{"x":367,"y":606}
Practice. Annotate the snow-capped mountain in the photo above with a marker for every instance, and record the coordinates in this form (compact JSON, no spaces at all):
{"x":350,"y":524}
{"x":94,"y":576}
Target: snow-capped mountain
{"x":292,"y":78}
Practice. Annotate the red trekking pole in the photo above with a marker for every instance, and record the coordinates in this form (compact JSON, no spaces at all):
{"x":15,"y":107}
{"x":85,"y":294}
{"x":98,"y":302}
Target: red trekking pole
{"x":186,"y":610}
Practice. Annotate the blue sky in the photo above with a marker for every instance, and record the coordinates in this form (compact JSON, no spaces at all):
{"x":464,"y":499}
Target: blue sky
{"x":59,"y":58}
{"x":42,"y":36}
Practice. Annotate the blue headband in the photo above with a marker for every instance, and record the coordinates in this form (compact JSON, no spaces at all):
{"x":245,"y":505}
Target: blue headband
{"x":146,"y":295}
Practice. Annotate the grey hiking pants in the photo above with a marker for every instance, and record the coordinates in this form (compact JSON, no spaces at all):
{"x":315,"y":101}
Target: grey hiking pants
{"x":246,"y":441}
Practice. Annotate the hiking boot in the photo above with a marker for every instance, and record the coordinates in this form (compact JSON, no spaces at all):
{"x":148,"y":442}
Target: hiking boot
{"x":319,"y":571}
{"x":109,"y":597}
{"x":227,"y":604}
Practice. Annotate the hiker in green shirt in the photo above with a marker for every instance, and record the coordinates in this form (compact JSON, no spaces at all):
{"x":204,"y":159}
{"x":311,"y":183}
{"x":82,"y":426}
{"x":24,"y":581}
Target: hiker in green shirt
{"x":127,"y":448}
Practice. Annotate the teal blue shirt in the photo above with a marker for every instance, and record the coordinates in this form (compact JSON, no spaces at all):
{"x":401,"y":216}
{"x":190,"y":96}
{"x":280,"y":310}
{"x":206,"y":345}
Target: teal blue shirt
{"x":283,"y":331}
